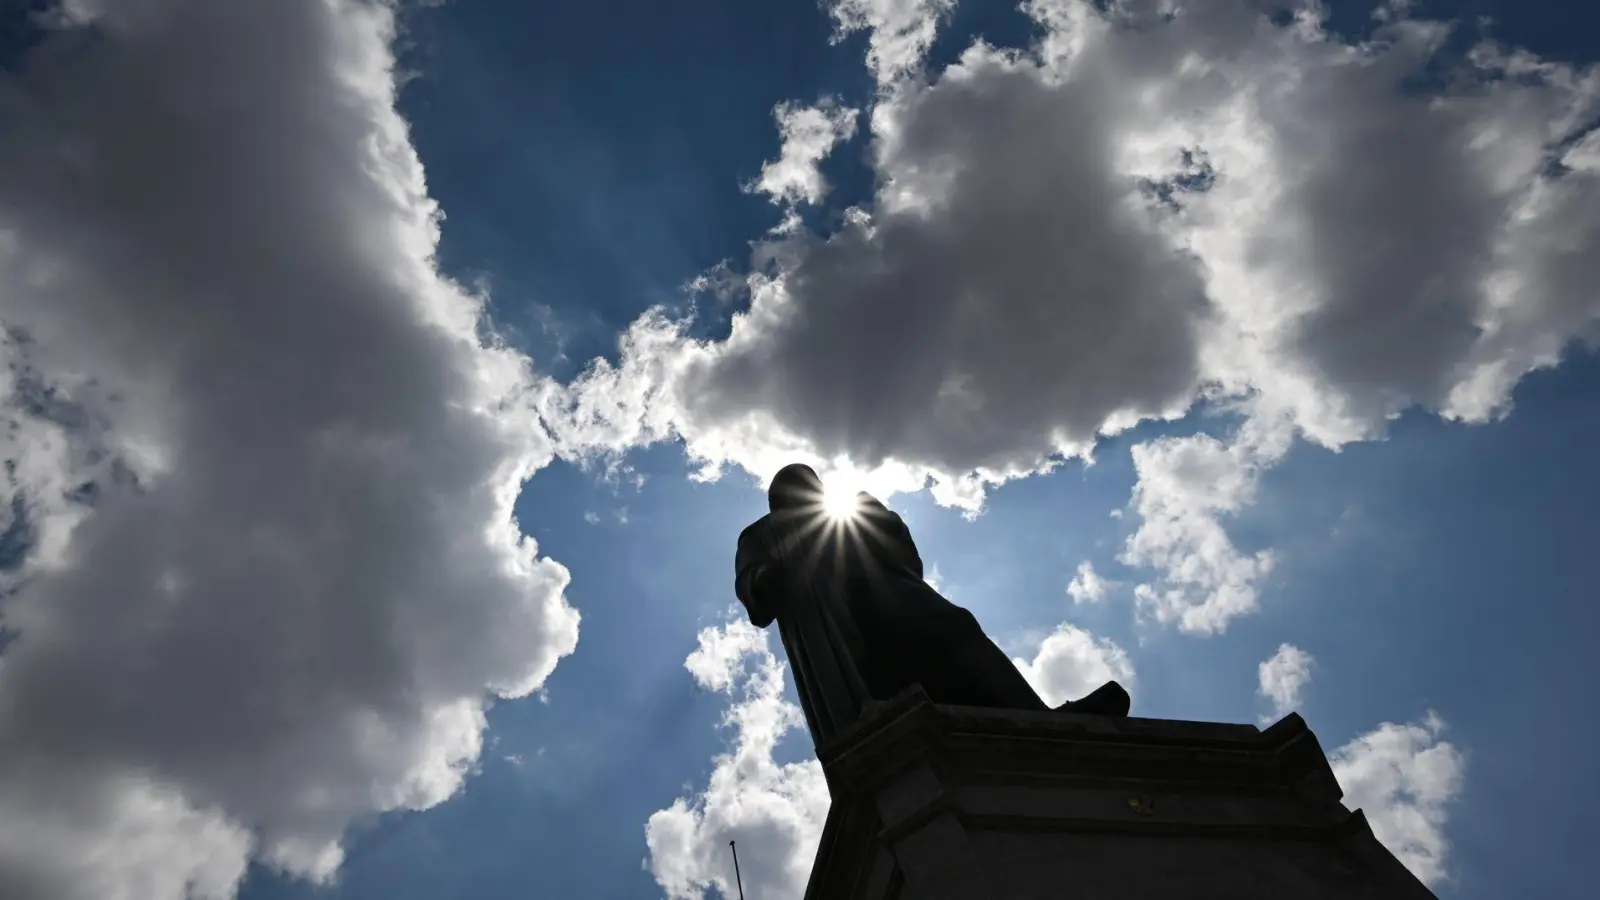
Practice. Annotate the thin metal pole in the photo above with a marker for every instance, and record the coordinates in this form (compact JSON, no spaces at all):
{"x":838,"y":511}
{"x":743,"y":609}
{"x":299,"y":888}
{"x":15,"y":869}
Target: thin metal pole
{"x":736,"y":879}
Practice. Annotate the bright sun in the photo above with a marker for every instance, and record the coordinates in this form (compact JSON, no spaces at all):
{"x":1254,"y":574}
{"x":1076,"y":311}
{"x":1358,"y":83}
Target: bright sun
{"x":839,"y":501}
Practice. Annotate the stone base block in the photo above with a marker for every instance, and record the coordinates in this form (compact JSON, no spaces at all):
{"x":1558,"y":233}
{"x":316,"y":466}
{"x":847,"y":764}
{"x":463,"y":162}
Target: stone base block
{"x":934,"y":802}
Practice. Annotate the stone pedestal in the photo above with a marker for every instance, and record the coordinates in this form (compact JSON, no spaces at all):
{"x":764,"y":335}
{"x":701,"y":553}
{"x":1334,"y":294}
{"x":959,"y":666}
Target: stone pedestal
{"x":956,"y":803}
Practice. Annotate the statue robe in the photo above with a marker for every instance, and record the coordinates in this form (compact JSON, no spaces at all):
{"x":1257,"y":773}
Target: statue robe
{"x":859,"y":623}
{"x":852,"y":608}
{"x":784,"y":566}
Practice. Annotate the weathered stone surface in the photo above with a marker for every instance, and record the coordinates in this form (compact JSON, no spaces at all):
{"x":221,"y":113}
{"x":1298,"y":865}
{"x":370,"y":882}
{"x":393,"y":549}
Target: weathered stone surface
{"x":962,"y":802}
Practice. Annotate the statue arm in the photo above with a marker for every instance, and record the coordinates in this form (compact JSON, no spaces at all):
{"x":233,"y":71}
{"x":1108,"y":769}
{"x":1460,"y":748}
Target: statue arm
{"x":753,"y":580}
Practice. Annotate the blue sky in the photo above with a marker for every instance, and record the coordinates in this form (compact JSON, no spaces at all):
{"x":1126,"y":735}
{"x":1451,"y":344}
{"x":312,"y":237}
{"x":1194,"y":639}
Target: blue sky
{"x":1330,"y":406}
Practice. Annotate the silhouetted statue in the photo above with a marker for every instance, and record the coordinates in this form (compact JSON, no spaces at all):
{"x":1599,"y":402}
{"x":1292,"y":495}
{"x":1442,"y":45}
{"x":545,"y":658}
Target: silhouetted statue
{"x":859,"y":622}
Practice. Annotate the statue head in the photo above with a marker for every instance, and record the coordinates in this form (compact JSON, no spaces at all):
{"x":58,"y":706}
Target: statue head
{"x":796,"y":486}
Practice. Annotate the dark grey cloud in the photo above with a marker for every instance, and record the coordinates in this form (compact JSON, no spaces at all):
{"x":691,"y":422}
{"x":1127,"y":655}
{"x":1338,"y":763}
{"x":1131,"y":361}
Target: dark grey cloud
{"x":1155,"y":205}
{"x":1004,"y":304}
{"x":296,"y":579}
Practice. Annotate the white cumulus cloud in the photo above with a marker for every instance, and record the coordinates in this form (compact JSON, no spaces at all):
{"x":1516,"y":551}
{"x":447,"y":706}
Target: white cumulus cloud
{"x":775,"y":811}
{"x":1071,"y":662}
{"x":809,"y":135}
{"x":1405,"y":778}
{"x":1087,"y":585}
{"x":1283,"y":678}
{"x":899,"y":32}
{"x":1187,"y":487}
{"x":264,"y":457}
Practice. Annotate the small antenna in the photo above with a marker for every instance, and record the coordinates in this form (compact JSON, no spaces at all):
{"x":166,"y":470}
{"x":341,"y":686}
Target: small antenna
{"x":736,"y":879}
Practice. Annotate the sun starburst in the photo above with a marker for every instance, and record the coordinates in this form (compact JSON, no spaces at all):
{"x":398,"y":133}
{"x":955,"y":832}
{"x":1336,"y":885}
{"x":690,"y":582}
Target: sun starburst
{"x":839,"y":501}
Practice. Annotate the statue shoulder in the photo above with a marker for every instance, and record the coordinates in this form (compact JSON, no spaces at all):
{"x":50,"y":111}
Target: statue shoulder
{"x":755,"y":530}
{"x":873,"y":510}
{"x":889,"y":531}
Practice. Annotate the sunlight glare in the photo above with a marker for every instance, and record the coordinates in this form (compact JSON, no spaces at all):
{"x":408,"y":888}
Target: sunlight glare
{"x":839,"y":500}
